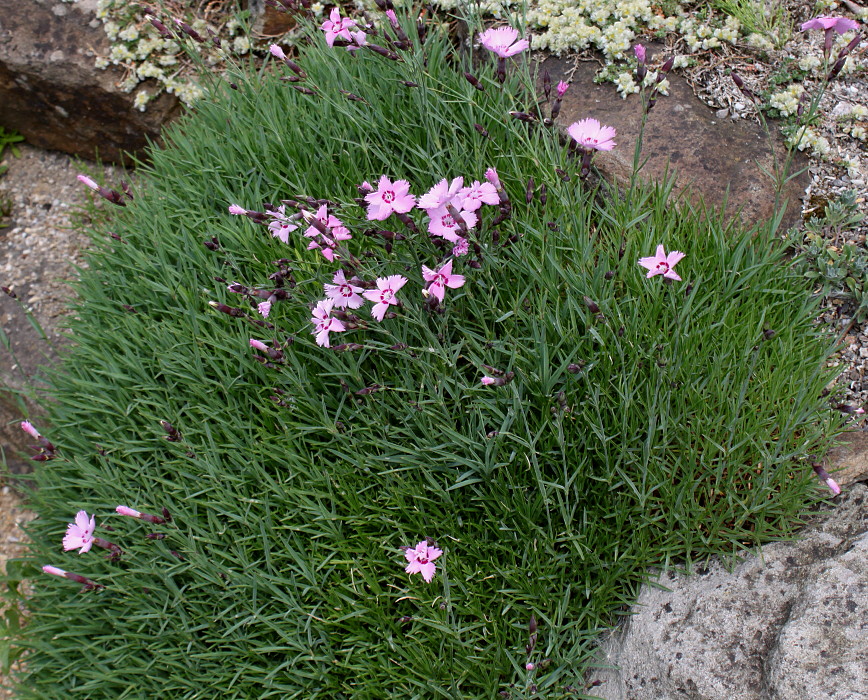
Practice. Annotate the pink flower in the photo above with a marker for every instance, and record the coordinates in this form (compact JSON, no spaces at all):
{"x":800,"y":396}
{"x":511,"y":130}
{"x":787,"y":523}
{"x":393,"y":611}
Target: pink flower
{"x":529,"y":666}
{"x":80,"y":533}
{"x":441,"y":194}
{"x":28,"y":428}
{"x":836,"y":24}
{"x":589,"y":134}
{"x":639,"y":50}
{"x":84,"y":179}
{"x":492,"y":177}
{"x":344,"y":294}
{"x":833,"y":486}
{"x":281,"y":226}
{"x":478,"y":194}
{"x":264,"y":308}
{"x":236,"y":210}
{"x":662,"y":264}
{"x":123,"y":510}
{"x":390,"y":197}
{"x":502,"y":41}
{"x":54,"y":571}
{"x":336,"y":26}
{"x":277,"y":52}
{"x":258,"y":345}
{"x":440,"y":279}
{"x":422,"y":560}
{"x":488,"y":381}
{"x":561,"y":88}
{"x":393,"y":19}
{"x":324,"y":323}
{"x":384,"y":296}
{"x":460,"y":248}
{"x":444,"y":224}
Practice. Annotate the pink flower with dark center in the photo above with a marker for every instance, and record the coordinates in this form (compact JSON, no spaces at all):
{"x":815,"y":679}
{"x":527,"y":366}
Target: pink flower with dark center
{"x":590,"y":134}
{"x":836,"y":24}
{"x":444,"y":224}
{"x":661,"y":264}
{"x":336,"y":26}
{"x":561,"y":88}
{"x":502,"y":41}
{"x":384,"y":295}
{"x":28,"y":428}
{"x":281,"y":226}
{"x":421,"y":560}
{"x":388,"y":198}
{"x":326,"y":220}
{"x":344,"y":294}
{"x":79,"y":534}
{"x":478,"y":194}
{"x":324,"y":323}
{"x":460,"y":248}
{"x":440,"y":279}
{"x":441,"y":194}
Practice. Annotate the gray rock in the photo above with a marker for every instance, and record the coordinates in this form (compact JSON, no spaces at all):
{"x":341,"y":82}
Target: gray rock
{"x":52,"y":93}
{"x":718,"y":159}
{"x":788,"y":624}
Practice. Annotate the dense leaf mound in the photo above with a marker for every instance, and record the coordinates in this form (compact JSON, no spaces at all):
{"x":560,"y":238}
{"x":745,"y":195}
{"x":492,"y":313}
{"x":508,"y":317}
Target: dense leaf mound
{"x":638,"y":422}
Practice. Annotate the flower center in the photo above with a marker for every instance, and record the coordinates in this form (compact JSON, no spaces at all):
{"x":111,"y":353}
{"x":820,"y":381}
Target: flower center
{"x":346,"y":290}
{"x":388,"y":196}
{"x":387,"y":295}
{"x":663,"y":266}
{"x":448,"y":221}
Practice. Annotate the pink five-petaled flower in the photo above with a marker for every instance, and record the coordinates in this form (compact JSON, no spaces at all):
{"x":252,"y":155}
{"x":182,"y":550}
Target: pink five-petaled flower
{"x":281,"y":226}
{"x":590,"y":134}
{"x":662,"y":264}
{"x":79,"y":535}
{"x":440,"y":279}
{"x":477,"y":194}
{"x":336,"y":26}
{"x":344,"y":294}
{"x":28,"y":428}
{"x":324,"y":323}
{"x":384,"y":295}
{"x":388,"y":198}
{"x":422,"y":560}
{"x":836,"y":24}
{"x":443,"y":222}
{"x":443,"y":193}
{"x":502,"y":41}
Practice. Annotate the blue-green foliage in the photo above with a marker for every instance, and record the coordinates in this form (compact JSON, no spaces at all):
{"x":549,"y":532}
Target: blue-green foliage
{"x":680,"y":436}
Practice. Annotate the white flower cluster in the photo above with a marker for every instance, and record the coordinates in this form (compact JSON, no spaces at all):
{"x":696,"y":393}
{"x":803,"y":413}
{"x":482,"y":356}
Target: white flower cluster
{"x":139,"y":48}
{"x":703,"y":36}
{"x":857,"y":131}
{"x":626,"y":85}
{"x":808,"y":138}
{"x":809,"y":62}
{"x":787,"y":101}
{"x":760,"y":41}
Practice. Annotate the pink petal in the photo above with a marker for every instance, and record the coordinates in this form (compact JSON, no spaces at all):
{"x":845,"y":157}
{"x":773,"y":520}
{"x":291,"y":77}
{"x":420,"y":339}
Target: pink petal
{"x":428,"y":569}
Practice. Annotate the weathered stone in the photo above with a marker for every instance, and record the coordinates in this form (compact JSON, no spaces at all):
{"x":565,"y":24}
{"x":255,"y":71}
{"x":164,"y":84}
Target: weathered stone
{"x":52,"y":93}
{"x":788,"y":624}
{"x":716,"y":157}
{"x":848,"y":461}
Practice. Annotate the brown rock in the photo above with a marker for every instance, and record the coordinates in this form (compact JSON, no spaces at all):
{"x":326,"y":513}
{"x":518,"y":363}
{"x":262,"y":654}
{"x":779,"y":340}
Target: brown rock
{"x":716,"y":157}
{"x":848,"y":461}
{"x":51,"y":92}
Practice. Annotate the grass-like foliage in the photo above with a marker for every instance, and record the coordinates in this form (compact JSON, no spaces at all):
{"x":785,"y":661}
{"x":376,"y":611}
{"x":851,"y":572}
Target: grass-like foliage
{"x":646,"y":423}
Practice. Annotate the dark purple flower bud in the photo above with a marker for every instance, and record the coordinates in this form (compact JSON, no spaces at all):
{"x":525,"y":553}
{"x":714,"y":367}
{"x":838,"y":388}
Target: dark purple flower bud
{"x":161,"y":28}
{"x":352,"y":97}
{"x":523,"y":116}
{"x":473,"y":81}
{"x":409,"y":83}
{"x":189,"y":31}
{"x":666,"y":67}
{"x":228,"y":310}
{"x":213,"y":244}
{"x":547,"y":82}
{"x":563,"y":174}
{"x":481,"y":129}
{"x":836,"y":69}
{"x":556,"y":108}
{"x":155,"y":535}
{"x":609,"y":275}
{"x":391,"y":55}
{"x":529,"y":191}
{"x":591,"y":304}
{"x":543,"y":194}
{"x":304,"y":90}
{"x":8,"y":292}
